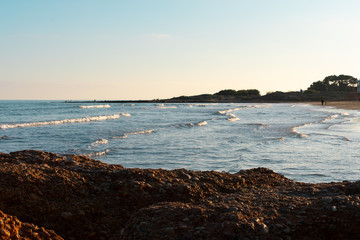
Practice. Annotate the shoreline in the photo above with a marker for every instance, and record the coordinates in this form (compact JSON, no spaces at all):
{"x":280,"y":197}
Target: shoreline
{"x":82,"y":198}
{"x":350,"y":105}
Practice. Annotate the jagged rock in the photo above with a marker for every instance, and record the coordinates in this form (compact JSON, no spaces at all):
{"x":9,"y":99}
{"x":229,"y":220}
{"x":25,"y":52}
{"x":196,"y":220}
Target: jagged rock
{"x":81,"y":198}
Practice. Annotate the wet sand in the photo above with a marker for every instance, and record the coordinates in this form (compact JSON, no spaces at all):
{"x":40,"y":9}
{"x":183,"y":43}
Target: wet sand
{"x":353,"y":105}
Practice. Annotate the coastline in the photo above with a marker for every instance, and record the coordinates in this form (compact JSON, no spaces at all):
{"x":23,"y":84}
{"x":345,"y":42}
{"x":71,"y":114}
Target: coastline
{"x":351,"y":105}
{"x":82,"y":198}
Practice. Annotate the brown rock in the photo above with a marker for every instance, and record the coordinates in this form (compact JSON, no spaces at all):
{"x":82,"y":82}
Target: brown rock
{"x":81,"y":198}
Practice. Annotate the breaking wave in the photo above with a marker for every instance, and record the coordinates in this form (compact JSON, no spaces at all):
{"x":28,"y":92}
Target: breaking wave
{"x":96,"y":106}
{"x":125,"y":135}
{"x":125,"y":114}
{"x":141,"y":132}
{"x":299,"y":134}
{"x":330,"y":117}
{"x":232,"y":118}
{"x":100,"y":142}
{"x":168,"y":107}
{"x":57,"y":122}
{"x":97,"y":154}
{"x":202,"y":123}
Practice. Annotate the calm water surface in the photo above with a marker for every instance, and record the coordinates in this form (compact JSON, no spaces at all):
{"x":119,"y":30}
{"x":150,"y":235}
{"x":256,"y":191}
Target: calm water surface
{"x":303,"y":142}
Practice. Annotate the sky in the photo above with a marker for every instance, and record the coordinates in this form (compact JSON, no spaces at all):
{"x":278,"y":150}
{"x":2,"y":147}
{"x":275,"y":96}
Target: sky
{"x":149,"y":49}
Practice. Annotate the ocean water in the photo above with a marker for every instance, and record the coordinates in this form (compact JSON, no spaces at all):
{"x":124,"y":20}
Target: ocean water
{"x":304,"y":142}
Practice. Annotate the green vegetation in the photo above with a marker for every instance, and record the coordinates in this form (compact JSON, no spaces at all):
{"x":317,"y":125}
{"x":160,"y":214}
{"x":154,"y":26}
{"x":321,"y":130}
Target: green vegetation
{"x":239,"y":93}
{"x":341,"y":83}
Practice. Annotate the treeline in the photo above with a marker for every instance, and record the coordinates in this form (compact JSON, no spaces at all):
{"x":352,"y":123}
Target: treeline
{"x":239,"y":93}
{"x":341,"y":83}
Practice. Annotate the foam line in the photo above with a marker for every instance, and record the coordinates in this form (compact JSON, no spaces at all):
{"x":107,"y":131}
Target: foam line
{"x":96,"y":106}
{"x":57,"y":122}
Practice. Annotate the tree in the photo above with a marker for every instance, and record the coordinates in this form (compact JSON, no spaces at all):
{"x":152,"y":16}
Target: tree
{"x":227,"y":92}
{"x":319,"y":86}
{"x":342,"y":83}
{"x":253,"y":92}
{"x":239,"y":93}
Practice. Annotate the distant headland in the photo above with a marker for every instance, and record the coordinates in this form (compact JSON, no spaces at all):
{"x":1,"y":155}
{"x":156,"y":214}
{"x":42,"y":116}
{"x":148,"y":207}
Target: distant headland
{"x":331,"y":88}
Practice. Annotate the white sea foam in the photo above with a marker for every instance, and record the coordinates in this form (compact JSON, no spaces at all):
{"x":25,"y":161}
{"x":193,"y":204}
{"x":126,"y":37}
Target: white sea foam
{"x":101,"y":141}
{"x":57,"y":122}
{"x":299,"y":134}
{"x":97,"y":154}
{"x":202,"y":123}
{"x":226,"y":111}
{"x":330,"y":117}
{"x":123,"y":136}
{"x":141,"y":132}
{"x":96,"y":106}
{"x":125,"y":114}
{"x":232,"y":118}
{"x":166,"y":107}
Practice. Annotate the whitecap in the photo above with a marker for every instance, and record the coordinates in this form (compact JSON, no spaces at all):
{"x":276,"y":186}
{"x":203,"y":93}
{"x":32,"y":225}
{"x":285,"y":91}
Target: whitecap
{"x":125,"y":114}
{"x":101,"y":141}
{"x":202,"y":123}
{"x":96,"y":106}
{"x":167,"y":107}
{"x":57,"y":122}
{"x":141,"y":132}
{"x":299,"y":134}
{"x":330,"y":117}
{"x":97,"y":154}
{"x":232,"y":118}
{"x":123,"y":136}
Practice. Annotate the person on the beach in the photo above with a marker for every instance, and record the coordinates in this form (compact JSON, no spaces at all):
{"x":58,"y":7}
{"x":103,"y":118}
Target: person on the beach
{"x":322,"y":101}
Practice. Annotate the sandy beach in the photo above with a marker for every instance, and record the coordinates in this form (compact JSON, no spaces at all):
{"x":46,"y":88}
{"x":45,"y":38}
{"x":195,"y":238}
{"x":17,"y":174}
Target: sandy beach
{"x":353,"y":105}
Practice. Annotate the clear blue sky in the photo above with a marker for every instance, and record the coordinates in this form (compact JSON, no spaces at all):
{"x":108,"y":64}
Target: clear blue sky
{"x":87,"y":49}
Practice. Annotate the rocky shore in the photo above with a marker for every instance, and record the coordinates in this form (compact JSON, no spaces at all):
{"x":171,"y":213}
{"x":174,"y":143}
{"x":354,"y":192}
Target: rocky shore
{"x":49,"y":196}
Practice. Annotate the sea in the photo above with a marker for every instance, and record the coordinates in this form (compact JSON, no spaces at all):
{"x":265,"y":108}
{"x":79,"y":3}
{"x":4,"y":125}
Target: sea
{"x":304,"y":142}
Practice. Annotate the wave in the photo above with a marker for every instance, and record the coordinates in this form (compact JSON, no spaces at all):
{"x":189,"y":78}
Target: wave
{"x":125,"y":135}
{"x":168,"y":107}
{"x":97,"y":154}
{"x":101,"y":141}
{"x":335,"y":124}
{"x":57,"y":122}
{"x":202,"y":123}
{"x":96,"y":106}
{"x":330,"y":117}
{"x":226,"y":111}
{"x":299,"y":134}
{"x":333,"y":135}
{"x":141,"y":132}
{"x":259,"y":124}
{"x":125,"y":114}
{"x":232,"y":118}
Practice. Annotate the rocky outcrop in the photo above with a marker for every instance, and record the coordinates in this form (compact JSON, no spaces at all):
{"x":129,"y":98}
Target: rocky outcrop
{"x":12,"y":228}
{"x":81,"y":198}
